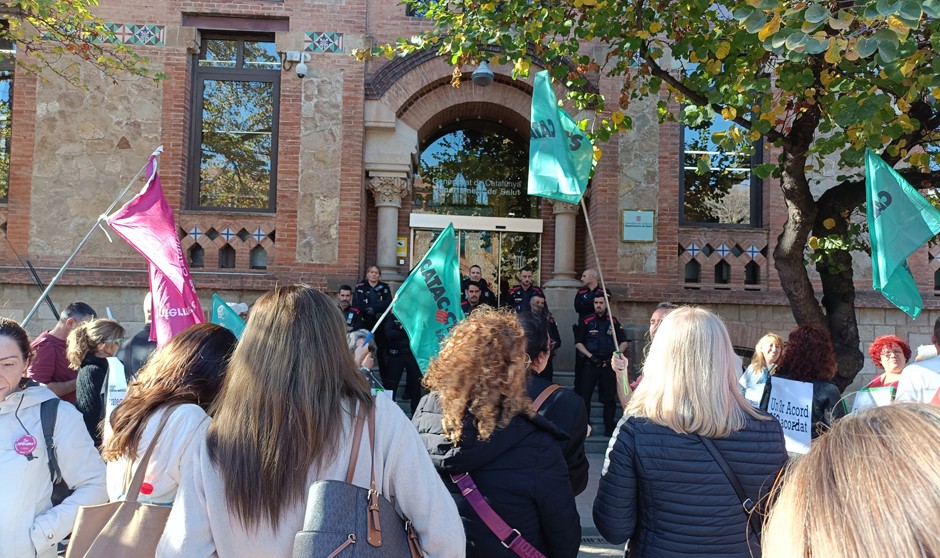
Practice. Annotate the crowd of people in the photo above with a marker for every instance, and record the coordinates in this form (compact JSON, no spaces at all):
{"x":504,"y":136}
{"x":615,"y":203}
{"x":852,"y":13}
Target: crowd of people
{"x":238,"y":432}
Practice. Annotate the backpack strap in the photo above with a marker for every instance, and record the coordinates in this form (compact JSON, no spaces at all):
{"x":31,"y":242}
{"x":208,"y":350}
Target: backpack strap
{"x":48,"y":412}
{"x":546,"y":393}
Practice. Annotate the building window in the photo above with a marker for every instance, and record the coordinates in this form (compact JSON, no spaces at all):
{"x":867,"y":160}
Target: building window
{"x":235,"y":110}
{"x":727,"y":192}
{"x":7,"y":66}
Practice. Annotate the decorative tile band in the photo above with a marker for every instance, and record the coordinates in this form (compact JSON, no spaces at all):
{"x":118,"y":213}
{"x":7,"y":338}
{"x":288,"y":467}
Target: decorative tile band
{"x":133,"y":34}
{"x":323,"y":41}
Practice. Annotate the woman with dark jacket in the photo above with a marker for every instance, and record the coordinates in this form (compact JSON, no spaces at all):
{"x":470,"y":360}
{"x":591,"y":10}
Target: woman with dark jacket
{"x":661,"y":488}
{"x":478,"y":421}
{"x":88,"y":348}
{"x":809,"y":358}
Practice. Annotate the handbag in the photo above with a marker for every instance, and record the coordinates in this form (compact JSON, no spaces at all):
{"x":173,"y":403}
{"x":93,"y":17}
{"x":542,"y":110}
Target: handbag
{"x":347,"y":521}
{"x":125,"y":528}
{"x":747,"y":504}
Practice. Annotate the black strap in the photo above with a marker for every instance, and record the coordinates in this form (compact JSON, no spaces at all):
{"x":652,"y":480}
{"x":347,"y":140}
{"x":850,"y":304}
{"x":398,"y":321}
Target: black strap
{"x":48,"y":411}
{"x":746,"y":503}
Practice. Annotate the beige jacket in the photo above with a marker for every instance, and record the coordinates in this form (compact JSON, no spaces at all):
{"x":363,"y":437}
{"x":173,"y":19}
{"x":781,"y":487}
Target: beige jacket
{"x":200,"y":524}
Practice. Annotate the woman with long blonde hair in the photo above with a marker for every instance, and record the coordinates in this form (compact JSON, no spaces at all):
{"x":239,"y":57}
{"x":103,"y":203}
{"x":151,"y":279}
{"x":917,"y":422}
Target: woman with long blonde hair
{"x":479,"y":428}
{"x":753,"y":383}
{"x":834,"y":501}
{"x":662,"y":487}
{"x":88,"y":348}
{"x":182,"y":378}
{"x":285,"y":419}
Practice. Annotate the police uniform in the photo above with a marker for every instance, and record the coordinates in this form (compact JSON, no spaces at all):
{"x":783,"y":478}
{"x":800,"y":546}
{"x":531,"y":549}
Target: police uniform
{"x":486,"y":295}
{"x":467,"y":309}
{"x":518,"y":298}
{"x":353,"y":319}
{"x":594,"y":332}
{"x":398,"y":360}
{"x":549,"y":371}
{"x":371,"y":303}
{"x":584,"y":306}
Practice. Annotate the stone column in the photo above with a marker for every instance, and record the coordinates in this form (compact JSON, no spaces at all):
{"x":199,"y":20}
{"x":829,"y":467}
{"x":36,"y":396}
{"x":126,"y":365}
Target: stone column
{"x":564,"y":274}
{"x":388,"y":192}
{"x":565,"y":282}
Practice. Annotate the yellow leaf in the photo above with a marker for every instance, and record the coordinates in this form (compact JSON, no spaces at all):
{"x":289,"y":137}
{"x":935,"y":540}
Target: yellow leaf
{"x":829,"y":223}
{"x":589,"y":2}
{"x":814,"y":243}
{"x":617,"y":117}
{"x":904,"y":106}
{"x":656,"y":27}
{"x":851,"y":50}
{"x":769,"y":28}
{"x":723,"y":49}
{"x":642,"y":33}
{"x":489,"y":7}
{"x":694,"y":57}
{"x":736,"y":134}
{"x":597,"y":153}
{"x":935,"y":92}
{"x":898,"y":27}
{"x":825,"y":78}
{"x":713,"y":67}
{"x":907,"y":68}
{"x":832,"y":53}
{"x":729,"y":113}
{"x":521,"y":66}
{"x":754,"y":136}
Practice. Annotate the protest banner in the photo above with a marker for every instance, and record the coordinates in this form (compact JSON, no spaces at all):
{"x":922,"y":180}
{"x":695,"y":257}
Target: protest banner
{"x":873,"y":397}
{"x":791,"y":402}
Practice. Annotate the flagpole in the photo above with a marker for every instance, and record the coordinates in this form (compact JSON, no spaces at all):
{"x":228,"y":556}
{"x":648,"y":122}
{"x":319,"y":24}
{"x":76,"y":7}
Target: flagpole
{"x":625,"y":386}
{"x":101,"y":218}
{"x":382,"y":317}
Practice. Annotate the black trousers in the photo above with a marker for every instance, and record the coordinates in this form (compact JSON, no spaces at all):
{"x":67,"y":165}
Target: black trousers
{"x":395,"y":366}
{"x":606,"y":380}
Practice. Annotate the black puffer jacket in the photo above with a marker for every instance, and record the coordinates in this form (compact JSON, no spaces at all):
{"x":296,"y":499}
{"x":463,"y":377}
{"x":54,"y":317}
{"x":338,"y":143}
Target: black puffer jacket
{"x":565,"y":409}
{"x":666,"y":493}
{"x":521,"y":473}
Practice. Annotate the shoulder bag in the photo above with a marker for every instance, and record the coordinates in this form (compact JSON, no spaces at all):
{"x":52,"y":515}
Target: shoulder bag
{"x":126,"y":528}
{"x":347,"y":521}
{"x":747,"y":504}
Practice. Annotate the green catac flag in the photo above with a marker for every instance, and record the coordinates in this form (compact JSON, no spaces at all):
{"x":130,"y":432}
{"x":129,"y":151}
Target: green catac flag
{"x":428,"y":302}
{"x":560,"y":154}
{"x":900,"y":221}
{"x":224,"y":316}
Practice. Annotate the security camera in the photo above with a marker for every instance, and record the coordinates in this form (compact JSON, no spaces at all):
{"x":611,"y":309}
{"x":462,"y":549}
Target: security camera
{"x":301,"y":70}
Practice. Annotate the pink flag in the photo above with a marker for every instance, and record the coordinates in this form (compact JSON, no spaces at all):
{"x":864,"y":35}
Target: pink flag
{"x":146,"y":223}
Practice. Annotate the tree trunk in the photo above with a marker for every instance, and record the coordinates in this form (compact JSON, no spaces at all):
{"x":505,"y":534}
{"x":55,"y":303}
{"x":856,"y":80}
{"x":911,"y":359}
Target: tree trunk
{"x":838,"y":283}
{"x":801,"y":214}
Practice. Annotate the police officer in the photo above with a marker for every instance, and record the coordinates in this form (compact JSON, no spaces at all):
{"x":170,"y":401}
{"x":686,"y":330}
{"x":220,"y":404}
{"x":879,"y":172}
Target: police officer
{"x":519,"y":296}
{"x":372,"y":297}
{"x":584,"y":306}
{"x":474,"y":292}
{"x":593,"y":340}
{"x":540,"y":309}
{"x":350,"y":313}
{"x":399,"y":359}
{"x":476,"y":276}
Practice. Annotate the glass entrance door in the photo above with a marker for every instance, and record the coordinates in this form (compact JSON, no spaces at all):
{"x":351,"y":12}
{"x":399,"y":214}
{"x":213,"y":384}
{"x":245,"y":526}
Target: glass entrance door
{"x":500,"y":254}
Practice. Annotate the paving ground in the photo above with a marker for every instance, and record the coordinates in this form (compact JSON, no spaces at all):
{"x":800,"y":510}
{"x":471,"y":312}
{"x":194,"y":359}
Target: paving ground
{"x":592,"y":544}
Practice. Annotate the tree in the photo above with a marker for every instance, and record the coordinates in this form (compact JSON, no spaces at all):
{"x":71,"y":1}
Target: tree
{"x":814,"y":79}
{"x":47,"y":32}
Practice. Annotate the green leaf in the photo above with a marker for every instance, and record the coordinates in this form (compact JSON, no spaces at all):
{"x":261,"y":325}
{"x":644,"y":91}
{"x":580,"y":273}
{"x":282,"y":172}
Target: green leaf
{"x":763,"y":170}
{"x":796,"y":40}
{"x":756,"y":20}
{"x":816,"y":13}
{"x":742,"y":13}
{"x":931,"y":7}
{"x":910,"y":10}
{"x":888,"y":44}
{"x":816,"y":47}
{"x":867,"y":46}
{"x":842,"y":20}
{"x":887,"y":7}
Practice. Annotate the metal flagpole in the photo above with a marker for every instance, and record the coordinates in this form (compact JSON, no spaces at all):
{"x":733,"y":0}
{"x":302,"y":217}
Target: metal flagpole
{"x":101,"y":218}
{"x":625,"y":387}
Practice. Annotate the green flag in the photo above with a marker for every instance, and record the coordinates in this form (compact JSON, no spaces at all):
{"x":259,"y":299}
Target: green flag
{"x":900,"y":221}
{"x":223,"y":315}
{"x":428,"y":302}
{"x":560,"y":154}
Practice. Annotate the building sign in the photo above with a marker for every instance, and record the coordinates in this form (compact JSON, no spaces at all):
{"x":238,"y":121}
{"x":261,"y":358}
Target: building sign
{"x":638,"y":225}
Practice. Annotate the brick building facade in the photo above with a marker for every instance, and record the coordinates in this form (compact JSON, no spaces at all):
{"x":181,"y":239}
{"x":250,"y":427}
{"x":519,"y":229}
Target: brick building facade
{"x":346,"y":143}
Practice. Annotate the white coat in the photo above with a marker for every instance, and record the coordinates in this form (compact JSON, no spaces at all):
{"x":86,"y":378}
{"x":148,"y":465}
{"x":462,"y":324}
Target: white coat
{"x":29,"y":525}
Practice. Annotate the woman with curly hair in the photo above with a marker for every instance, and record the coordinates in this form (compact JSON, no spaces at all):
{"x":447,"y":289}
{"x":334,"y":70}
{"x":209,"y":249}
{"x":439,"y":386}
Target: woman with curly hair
{"x":486,"y":442}
{"x":891,"y":354}
{"x":183,"y":379}
{"x":88,"y":348}
{"x":809,"y":358}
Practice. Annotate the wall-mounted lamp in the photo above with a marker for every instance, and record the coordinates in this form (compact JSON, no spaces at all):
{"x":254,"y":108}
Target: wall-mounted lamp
{"x":292,"y":57}
{"x":483,"y":75}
